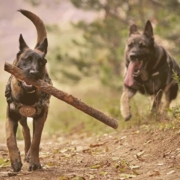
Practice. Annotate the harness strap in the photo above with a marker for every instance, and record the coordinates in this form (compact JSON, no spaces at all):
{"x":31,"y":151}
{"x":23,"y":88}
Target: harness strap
{"x":158,"y":61}
{"x":159,"y":58}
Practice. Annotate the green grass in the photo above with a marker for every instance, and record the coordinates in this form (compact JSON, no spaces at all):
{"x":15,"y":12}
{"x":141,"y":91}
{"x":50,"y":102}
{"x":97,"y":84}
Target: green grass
{"x":65,"y":118}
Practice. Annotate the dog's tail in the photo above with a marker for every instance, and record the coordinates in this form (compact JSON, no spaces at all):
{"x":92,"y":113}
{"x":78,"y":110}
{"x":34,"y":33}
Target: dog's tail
{"x":40,"y":27}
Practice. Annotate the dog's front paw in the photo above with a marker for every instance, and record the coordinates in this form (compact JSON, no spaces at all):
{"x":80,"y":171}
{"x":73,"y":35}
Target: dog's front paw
{"x":27,"y":157}
{"x":16,"y":165}
{"x":34,"y":167}
{"x":34,"y":163}
{"x":127,"y":118}
{"x":125,"y":106}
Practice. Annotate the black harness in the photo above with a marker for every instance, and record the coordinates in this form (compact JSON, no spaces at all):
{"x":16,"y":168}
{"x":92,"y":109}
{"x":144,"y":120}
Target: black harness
{"x":26,"y":110}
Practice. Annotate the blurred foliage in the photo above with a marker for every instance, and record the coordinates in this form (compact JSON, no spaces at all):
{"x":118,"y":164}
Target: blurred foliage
{"x":47,"y":2}
{"x":100,"y":51}
{"x":69,"y":119}
{"x":96,"y":49}
{"x":34,"y":2}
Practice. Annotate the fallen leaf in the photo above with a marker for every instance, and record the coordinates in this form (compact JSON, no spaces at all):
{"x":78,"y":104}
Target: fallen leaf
{"x":49,"y":164}
{"x":135,"y":172}
{"x":138,"y":156}
{"x":127,"y":176}
{"x":77,"y":178}
{"x":90,"y":176}
{"x":103,"y":173}
{"x":97,"y":166}
{"x":155,"y":173}
{"x":63,"y":178}
{"x":140,"y":153}
{"x":171,"y":172}
{"x":4,"y":162}
{"x":56,"y":150}
{"x":123,"y":137}
{"x":89,"y":151}
{"x":115,"y":158}
{"x":149,"y":141}
{"x":134,"y":167}
{"x":96,"y":145}
{"x":107,"y":149}
{"x":160,"y":164}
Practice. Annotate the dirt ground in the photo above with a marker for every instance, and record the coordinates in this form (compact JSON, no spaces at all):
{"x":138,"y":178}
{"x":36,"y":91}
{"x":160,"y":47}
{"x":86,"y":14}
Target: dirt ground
{"x":137,"y":154}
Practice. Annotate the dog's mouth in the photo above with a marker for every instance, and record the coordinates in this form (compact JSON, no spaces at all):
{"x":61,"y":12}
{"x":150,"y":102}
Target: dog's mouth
{"x":29,"y":88}
{"x":133,"y":70}
{"x":137,"y":68}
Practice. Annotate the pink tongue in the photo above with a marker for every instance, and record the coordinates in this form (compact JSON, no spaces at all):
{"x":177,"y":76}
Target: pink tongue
{"x":129,"y":79}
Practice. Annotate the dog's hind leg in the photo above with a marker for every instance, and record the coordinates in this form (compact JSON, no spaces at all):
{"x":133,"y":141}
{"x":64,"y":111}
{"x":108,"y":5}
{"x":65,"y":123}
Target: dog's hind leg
{"x":170,"y":94}
{"x":33,"y":154}
{"x":125,"y":103}
{"x":11,"y":129}
{"x":26,"y":134}
{"x":156,"y":102}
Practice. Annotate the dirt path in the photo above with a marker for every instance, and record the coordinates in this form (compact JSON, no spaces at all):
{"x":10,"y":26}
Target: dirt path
{"x":132,"y":154}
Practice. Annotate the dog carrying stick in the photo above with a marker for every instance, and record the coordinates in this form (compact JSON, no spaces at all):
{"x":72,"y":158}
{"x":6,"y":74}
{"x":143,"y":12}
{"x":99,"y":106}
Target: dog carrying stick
{"x":73,"y":101}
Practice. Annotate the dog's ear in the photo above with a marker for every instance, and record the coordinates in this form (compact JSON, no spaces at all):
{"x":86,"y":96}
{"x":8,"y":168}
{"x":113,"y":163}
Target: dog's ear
{"x":148,"y":30}
{"x":43,"y":46}
{"x":22,"y":43}
{"x":133,"y":29}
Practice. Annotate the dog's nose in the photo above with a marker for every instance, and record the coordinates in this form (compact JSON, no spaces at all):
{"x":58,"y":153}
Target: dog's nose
{"x":33,"y":73}
{"x":133,"y":56}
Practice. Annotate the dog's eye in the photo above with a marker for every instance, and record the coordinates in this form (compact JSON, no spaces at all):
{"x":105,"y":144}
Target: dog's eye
{"x":42,"y":63}
{"x":141,"y":45}
{"x":130,"y":44}
{"x":29,"y":57}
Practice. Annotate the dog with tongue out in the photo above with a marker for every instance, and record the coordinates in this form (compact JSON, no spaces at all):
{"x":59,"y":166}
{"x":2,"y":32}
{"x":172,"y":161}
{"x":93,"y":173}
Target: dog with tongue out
{"x":149,"y":69}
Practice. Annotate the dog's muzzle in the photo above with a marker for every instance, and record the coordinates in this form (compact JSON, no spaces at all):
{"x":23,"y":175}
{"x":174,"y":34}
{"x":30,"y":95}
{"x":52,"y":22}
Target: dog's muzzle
{"x":138,"y":63}
{"x":28,"y":87}
{"x":34,"y":74}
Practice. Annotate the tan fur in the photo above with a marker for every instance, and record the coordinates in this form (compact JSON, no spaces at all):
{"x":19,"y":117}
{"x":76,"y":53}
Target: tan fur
{"x":125,"y":104}
{"x":20,"y":97}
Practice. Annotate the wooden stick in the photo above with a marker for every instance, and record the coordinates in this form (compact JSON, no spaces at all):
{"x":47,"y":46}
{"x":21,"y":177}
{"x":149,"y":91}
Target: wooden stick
{"x":73,"y":101}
